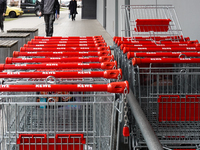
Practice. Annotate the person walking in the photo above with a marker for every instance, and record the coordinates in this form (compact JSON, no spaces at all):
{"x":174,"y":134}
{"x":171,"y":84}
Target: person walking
{"x":72,"y":8}
{"x":51,"y":10}
{"x":3,"y":7}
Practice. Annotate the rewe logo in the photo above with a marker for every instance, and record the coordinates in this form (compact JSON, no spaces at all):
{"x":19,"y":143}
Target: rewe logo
{"x":84,"y":86}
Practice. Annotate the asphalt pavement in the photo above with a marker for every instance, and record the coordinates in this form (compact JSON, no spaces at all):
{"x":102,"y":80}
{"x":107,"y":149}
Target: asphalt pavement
{"x":63,"y":26}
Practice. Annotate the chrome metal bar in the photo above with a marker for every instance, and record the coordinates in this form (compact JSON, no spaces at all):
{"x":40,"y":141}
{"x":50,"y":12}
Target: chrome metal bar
{"x":146,"y":129}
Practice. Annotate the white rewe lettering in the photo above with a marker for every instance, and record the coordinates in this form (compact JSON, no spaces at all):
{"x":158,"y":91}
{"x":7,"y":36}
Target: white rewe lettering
{"x":156,"y":59}
{"x":26,"y":58}
{"x":35,"y":48}
{"x":49,"y":73}
{"x":5,"y":86}
{"x":31,"y":52}
{"x":83,"y":52}
{"x":57,"y":52}
{"x":61,"y":44}
{"x":51,"y":64}
{"x":84,"y":72}
{"x":43,"y":86}
{"x":84,"y":86}
{"x":18,"y":65}
{"x":55,"y":58}
{"x":83,"y":45}
{"x":13,"y":73}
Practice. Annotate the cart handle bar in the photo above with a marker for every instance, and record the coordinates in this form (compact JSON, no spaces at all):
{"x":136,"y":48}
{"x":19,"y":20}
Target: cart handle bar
{"x":104,"y":65}
{"x":132,"y":46}
{"x":163,"y":49}
{"x":61,"y":54}
{"x":69,"y":37}
{"x":114,"y":87}
{"x":44,"y":136}
{"x":66,"y":42}
{"x":136,"y":61}
{"x":162,"y":54}
{"x":66,"y":45}
{"x":10,"y":60}
{"x":156,"y":42}
{"x":62,"y":49}
{"x":108,"y":74}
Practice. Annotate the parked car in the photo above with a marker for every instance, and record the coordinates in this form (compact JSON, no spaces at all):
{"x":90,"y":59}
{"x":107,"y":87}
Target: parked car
{"x":65,"y":3}
{"x":30,"y":6}
{"x":13,"y":12}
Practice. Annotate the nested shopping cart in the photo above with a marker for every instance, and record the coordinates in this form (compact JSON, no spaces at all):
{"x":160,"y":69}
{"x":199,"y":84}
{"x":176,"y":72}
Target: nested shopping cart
{"x":168,"y":92}
{"x":152,"y":53}
{"x":86,"y":121}
{"x":62,"y":106}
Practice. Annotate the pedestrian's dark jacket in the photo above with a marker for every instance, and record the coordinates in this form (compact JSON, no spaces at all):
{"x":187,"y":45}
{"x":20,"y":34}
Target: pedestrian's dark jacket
{"x":49,"y":7}
{"x":73,"y":7}
{"x":3,"y":6}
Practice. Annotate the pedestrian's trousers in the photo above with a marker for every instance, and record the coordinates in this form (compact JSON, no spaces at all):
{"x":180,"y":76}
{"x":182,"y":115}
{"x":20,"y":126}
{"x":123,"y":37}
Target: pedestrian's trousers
{"x":49,"y":20}
{"x":1,"y":21}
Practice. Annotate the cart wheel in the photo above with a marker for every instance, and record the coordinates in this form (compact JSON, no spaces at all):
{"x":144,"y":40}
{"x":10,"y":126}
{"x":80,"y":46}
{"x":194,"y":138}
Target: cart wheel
{"x":12,"y":14}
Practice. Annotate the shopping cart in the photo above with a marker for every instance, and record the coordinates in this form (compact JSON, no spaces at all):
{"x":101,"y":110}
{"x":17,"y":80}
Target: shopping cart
{"x":162,"y":77}
{"x":168,"y":92}
{"x":85,"y":122}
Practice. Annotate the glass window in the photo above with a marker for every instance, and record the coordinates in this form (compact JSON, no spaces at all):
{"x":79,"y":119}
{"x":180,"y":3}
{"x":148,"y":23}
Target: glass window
{"x":31,"y":1}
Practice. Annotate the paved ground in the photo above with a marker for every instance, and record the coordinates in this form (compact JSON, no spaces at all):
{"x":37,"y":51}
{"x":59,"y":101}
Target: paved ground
{"x":63,"y":26}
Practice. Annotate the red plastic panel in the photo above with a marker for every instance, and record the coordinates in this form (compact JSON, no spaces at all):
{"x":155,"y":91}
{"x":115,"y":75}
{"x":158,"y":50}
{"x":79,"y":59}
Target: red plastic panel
{"x":156,"y":25}
{"x":174,"y":108}
{"x":39,"y":142}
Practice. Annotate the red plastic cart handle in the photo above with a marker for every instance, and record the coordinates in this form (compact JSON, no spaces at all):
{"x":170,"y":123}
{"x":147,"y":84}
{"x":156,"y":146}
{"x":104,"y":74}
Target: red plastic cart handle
{"x":83,"y":140}
{"x":157,"y":42}
{"x":108,"y":74}
{"x":155,"y":38}
{"x":114,"y":87}
{"x":62,"y":49}
{"x":104,"y":65}
{"x":164,"y":60}
{"x":159,"y":46}
{"x":69,"y":37}
{"x":65,"y":42}
{"x":10,"y":60}
{"x":65,"y":45}
{"x":163,"y":54}
{"x":165,"y":49}
{"x":19,"y":140}
{"x":62,"y":54}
